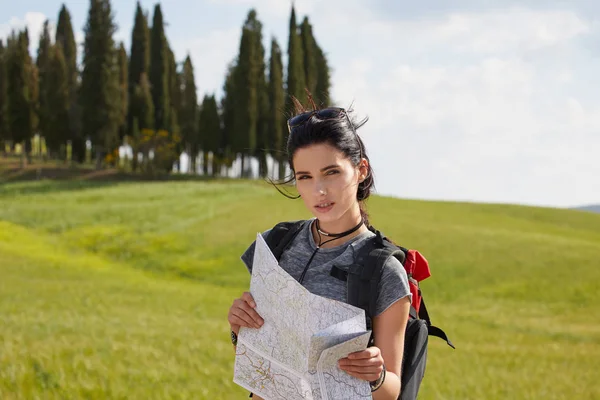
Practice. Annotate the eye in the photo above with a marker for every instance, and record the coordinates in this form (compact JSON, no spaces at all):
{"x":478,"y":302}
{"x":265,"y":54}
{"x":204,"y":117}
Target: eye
{"x":332,"y":172}
{"x":302,"y":177}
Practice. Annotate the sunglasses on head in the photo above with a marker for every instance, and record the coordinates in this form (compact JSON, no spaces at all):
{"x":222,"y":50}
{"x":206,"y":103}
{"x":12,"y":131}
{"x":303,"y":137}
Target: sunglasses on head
{"x":326,"y":113}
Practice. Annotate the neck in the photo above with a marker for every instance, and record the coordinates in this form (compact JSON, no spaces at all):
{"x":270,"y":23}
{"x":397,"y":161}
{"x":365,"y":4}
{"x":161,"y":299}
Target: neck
{"x":344,"y":224}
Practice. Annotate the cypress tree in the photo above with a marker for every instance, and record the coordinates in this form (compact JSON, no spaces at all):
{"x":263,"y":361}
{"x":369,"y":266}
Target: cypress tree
{"x":189,"y":111}
{"x":34,"y":86}
{"x":277,"y":102}
{"x":10,"y":53}
{"x":143,"y":108}
{"x":309,"y":53}
{"x":226,"y":151}
{"x":159,"y":71}
{"x":13,"y":98}
{"x":295,"y":75}
{"x":262,"y":127}
{"x":174,"y":94}
{"x":43,"y":52}
{"x":249,"y":83}
{"x":139,"y":60}
{"x":323,"y":84}
{"x":174,"y":130}
{"x":20,"y":107}
{"x":174,"y":86}
{"x":123,"y":90}
{"x":66,"y":38}
{"x":4,"y":133}
{"x":245,"y":99}
{"x":57,"y":119}
{"x":135,"y":143}
{"x":210,"y":131}
{"x":100,"y":79}
{"x":43,"y":60}
{"x":142,"y":104}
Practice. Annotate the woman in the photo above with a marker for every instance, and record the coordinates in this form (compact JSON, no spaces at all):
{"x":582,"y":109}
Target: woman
{"x":333,"y":176}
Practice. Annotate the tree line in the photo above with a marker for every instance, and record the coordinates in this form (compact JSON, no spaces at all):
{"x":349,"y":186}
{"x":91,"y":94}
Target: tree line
{"x":147,"y":99}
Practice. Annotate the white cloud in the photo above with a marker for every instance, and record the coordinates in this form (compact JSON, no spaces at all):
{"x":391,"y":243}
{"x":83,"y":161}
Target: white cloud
{"x":496,"y":32}
{"x":210,"y":56}
{"x":34,"y":22}
{"x":514,"y":29}
{"x":478,"y":106}
{"x":274,"y":8}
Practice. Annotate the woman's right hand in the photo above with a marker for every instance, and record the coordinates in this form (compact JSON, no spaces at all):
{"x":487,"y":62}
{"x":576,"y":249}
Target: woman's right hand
{"x":242,"y":313}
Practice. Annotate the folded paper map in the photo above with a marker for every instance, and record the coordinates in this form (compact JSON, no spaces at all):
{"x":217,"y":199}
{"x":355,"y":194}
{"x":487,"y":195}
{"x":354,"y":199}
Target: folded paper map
{"x":294,"y":354}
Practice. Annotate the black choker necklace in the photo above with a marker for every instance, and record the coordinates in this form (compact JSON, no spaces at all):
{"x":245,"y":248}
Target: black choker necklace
{"x":339,"y":235}
{"x":333,"y":235}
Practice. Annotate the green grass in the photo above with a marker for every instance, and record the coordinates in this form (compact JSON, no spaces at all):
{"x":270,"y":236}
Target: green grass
{"x":114,"y":290}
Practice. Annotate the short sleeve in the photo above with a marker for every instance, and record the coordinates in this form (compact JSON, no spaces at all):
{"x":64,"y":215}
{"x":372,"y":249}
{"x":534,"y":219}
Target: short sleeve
{"x":248,"y":255}
{"x":393,"y":285}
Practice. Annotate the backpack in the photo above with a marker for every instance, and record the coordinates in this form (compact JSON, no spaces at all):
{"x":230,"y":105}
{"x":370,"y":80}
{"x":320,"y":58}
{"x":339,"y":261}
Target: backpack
{"x":363,"y":278}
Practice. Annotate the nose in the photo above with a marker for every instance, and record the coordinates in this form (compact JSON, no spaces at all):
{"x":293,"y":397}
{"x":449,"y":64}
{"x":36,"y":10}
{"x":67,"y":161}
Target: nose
{"x":321,"y":189}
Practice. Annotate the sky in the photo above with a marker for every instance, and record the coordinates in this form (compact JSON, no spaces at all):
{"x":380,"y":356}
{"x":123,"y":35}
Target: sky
{"x":469,"y":100}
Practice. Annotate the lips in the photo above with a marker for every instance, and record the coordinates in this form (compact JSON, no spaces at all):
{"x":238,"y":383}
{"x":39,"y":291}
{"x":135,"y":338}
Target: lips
{"x":324,"y":206}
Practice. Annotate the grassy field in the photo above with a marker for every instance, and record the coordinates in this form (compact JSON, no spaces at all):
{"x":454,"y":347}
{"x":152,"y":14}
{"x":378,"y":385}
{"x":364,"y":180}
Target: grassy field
{"x":120,"y":290}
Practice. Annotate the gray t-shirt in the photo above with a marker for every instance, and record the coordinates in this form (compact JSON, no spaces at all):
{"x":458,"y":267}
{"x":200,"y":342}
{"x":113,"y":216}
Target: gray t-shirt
{"x":393,"y":285}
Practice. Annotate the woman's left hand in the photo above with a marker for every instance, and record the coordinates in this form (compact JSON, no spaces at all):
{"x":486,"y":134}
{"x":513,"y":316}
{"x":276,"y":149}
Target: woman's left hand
{"x":366,"y":365}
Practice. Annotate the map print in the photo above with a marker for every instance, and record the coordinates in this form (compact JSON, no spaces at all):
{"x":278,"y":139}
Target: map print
{"x":294,"y":354}
{"x":334,"y":381}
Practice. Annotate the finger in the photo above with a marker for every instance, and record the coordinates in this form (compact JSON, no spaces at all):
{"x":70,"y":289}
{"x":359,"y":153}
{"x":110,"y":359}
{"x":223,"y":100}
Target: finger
{"x":239,"y":322}
{"x":370,"y":352}
{"x":243,"y":322}
{"x":250,"y":311}
{"x":365,"y":362}
{"x":247,"y":297}
{"x":242,"y":318}
{"x":243,"y":310}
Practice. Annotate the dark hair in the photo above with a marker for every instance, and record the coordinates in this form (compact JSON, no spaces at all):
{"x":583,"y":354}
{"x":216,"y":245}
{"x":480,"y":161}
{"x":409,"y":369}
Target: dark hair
{"x":340,"y":133}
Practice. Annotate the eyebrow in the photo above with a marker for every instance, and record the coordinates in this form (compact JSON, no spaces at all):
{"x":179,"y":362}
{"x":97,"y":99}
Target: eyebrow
{"x":322,"y":169}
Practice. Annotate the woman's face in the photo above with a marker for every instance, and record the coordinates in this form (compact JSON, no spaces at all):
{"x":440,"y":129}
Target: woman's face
{"x":327,"y":181}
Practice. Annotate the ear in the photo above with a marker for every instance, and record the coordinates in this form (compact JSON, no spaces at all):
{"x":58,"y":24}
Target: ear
{"x":363,"y":170}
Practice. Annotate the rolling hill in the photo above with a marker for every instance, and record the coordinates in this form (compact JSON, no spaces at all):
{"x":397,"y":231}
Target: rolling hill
{"x":593,"y":208}
{"x":113,"y":290}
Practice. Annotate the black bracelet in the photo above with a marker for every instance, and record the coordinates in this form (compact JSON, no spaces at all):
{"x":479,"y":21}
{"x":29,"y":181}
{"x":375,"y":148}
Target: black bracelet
{"x":376,"y":384}
{"x":233,"y":338}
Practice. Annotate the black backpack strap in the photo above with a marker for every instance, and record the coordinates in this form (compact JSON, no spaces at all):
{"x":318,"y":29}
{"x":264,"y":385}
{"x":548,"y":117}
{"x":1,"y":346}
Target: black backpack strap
{"x":423,"y":314}
{"x":282,"y":235}
{"x":365,"y":274}
{"x":433,"y":330}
